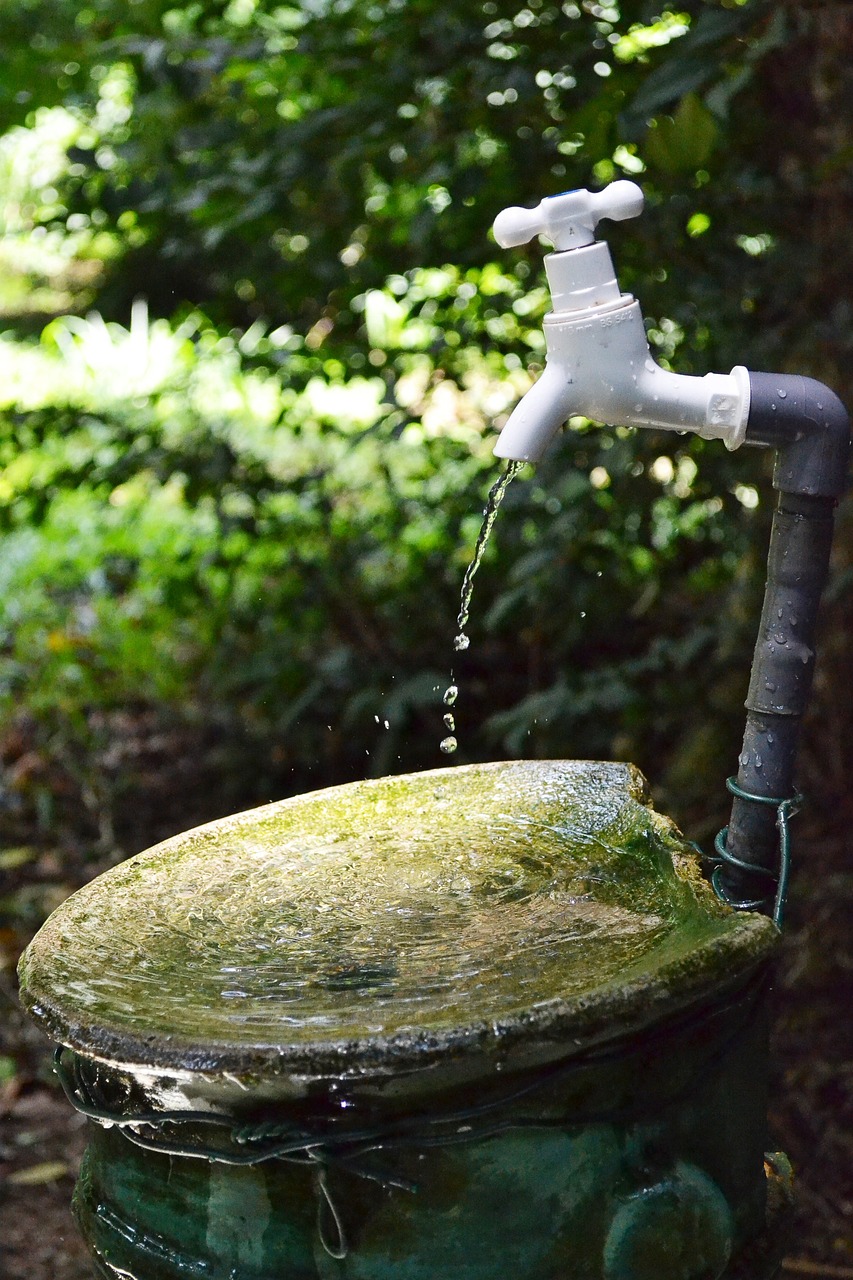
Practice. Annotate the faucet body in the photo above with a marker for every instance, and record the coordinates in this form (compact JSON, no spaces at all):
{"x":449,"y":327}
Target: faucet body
{"x":598,"y":361}
{"x":599,"y":365}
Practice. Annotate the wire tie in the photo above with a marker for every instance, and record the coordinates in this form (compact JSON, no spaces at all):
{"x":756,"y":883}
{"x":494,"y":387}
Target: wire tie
{"x":778,"y":880}
{"x":326,"y":1208}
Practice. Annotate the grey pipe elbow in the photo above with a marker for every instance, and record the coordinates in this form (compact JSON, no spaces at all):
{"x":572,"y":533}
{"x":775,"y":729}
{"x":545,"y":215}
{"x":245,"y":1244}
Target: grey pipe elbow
{"x":808,"y":426}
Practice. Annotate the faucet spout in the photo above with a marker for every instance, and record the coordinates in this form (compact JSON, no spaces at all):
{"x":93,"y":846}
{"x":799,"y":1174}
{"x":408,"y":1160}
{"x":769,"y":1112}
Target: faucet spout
{"x":538,"y":416}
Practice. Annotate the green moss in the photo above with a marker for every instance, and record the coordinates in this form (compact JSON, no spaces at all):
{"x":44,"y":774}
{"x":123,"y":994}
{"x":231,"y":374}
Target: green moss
{"x":399,"y":918}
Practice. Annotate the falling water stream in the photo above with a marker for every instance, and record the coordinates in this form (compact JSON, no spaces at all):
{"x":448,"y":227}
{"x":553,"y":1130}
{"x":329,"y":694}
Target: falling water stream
{"x":496,"y":495}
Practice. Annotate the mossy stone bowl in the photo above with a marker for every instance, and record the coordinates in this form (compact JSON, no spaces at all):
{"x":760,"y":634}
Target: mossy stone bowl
{"x":501,"y":1019}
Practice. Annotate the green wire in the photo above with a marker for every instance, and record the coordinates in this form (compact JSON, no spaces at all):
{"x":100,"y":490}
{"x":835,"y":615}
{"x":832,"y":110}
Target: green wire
{"x":778,"y":879}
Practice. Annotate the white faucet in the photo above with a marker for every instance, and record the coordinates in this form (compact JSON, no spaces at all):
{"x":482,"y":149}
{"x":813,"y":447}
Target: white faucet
{"x":598,"y":362}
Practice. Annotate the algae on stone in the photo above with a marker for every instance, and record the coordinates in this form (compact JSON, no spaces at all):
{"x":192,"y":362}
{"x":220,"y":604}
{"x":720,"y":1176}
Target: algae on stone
{"x":406,"y":915}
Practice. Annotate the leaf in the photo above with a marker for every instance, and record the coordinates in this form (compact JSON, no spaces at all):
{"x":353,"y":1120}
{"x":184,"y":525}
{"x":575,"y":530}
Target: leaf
{"x":683,"y":142}
{"x":693,"y":61}
{"x":37,"y":1174}
{"x":717,"y":25}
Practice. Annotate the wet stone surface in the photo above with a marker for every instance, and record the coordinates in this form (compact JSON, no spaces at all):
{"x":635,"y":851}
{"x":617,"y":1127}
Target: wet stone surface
{"x":423,"y":912}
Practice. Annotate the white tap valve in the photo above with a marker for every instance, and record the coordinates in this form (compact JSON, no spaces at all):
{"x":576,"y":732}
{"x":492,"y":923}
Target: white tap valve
{"x":568,"y":220}
{"x":598,"y":363}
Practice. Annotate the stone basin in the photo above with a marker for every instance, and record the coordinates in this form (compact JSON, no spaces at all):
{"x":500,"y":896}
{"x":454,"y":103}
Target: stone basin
{"x":390,"y":923}
{"x":490,"y":977}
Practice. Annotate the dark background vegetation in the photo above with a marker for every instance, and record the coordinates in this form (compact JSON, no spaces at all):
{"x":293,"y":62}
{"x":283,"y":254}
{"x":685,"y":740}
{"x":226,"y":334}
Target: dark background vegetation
{"x":257,"y":337}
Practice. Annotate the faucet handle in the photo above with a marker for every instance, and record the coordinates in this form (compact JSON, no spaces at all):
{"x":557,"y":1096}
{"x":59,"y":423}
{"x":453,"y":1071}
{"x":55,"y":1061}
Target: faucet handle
{"x":568,"y":220}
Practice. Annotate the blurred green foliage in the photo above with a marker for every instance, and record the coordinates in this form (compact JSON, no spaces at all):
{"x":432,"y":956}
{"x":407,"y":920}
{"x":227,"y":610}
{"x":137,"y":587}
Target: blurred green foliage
{"x":246,"y":503}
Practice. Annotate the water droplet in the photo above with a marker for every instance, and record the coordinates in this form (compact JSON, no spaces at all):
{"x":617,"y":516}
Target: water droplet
{"x":461,"y":642}
{"x":772,"y":406}
{"x":451,"y":693}
{"x":780,"y":614}
{"x":783,"y":395}
{"x":758,"y":762}
{"x":819,"y":405}
{"x":583,"y":613}
{"x":770,"y":739}
{"x":449,"y":722}
{"x":448,"y":745}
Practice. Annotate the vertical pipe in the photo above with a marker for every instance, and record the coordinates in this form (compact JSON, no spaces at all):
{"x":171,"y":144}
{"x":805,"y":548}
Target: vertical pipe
{"x":811,"y":430}
{"x":779,"y":688}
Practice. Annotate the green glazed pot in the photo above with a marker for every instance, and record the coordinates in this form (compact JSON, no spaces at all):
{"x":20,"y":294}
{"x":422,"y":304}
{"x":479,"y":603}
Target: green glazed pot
{"x":478,"y":1023}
